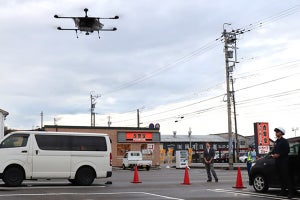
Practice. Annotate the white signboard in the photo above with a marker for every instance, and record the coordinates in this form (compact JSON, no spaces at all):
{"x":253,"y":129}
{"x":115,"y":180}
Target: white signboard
{"x":263,"y":149}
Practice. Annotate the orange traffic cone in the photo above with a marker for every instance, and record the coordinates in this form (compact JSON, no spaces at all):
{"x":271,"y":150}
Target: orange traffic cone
{"x":186,"y":179}
{"x":136,"y":176}
{"x":239,"y":180}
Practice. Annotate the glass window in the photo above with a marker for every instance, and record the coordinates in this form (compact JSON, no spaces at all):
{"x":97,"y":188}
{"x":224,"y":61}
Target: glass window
{"x":294,"y":149}
{"x":53,"y":142}
{"x":71,"y":143}
{"x":88,"y":143}
{"x":122,"y":149}
{"x":15,"y":140}
{"x":187,"y":146}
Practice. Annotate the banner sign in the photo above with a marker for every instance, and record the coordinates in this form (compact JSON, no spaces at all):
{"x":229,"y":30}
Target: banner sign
{"x":261,"y":137}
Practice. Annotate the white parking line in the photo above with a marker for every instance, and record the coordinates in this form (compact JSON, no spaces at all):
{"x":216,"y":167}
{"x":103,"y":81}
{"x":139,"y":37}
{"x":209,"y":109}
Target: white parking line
{"x":242,"y":192}
{"x":86,"y":194}
{"x":48,"y":187}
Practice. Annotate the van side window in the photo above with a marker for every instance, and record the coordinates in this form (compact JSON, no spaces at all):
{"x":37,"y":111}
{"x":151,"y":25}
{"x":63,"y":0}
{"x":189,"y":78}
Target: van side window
{"x":71,"y":143}
{"x":16,"y":140}
{"x":53,"y":142}
{"x":88,"y":143}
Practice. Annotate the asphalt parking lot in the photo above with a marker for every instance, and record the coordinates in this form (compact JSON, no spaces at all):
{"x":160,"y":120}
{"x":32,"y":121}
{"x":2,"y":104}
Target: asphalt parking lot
{"x":163,"y":183}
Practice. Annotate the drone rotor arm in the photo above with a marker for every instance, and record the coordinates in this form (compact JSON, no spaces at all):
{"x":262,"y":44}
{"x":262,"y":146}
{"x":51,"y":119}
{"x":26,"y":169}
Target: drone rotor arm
{"x":115,"y":17}
{"x":56,"y":16}
{"x":108,"y":29}
{"x":67,"y":29}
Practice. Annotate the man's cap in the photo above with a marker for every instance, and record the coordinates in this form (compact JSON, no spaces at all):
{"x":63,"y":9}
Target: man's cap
{"x":280,"y":129}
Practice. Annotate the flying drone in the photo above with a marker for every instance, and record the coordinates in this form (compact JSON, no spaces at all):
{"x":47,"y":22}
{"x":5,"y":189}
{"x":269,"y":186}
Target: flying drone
{"x":87,"y":24}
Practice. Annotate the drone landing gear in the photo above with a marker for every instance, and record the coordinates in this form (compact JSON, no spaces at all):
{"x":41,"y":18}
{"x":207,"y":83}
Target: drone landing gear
{"x":98,"y":35}
{"x":76,"y":33}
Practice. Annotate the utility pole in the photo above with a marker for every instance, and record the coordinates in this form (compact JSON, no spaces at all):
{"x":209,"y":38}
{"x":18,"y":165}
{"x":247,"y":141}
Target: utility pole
{"x":93,"y":105}
{"x":230,"y":51}
{"x":229,"y":39}
{"x":138,"y":117}
{"x":109,"y":121}
{"x":237,"y":143}
{"x":42,"y":119}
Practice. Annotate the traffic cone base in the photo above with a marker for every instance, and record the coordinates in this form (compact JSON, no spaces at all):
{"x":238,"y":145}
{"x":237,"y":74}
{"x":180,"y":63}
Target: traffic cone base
{"x":136,"y":176}
{"x":239,"y":180}
{"x":186,"y":179}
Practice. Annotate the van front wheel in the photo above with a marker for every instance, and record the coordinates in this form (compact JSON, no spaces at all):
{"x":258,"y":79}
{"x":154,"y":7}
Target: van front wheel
{"x":13,"y":176}
{"x":85,"y":176}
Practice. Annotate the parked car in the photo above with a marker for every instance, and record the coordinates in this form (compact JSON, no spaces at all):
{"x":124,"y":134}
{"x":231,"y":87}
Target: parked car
{"x":243,"y":157}
{"x":133,"y":158}
{"x":78,"y":157}
{"x":264,"y":174}
{"x":224,"y":158}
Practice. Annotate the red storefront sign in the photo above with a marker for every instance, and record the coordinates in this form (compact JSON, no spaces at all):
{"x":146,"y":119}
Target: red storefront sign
{"x":138,"y":137}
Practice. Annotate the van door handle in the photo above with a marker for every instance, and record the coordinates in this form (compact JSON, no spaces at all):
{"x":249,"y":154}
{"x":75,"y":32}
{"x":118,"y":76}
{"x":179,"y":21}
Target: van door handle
{"x":24,"y":151}
{"x":36,"y":152}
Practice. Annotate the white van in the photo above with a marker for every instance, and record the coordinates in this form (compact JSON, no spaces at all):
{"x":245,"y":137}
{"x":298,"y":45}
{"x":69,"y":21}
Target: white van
{"x":31,"y":155}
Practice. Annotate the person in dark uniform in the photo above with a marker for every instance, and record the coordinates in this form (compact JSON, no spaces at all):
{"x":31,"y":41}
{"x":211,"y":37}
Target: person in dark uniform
{"x":209,"y":154}
{"x":280,"y":153}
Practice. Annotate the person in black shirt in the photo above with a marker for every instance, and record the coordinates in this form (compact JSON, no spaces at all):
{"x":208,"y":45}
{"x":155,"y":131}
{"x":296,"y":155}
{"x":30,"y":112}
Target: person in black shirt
{"x":209,"y":154}
{"x":280,"y":153}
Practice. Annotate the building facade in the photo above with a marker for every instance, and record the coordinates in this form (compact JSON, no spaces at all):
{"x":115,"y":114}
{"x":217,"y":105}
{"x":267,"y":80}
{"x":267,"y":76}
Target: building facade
{"x":123,"y":139}
{"x":195,"y":144}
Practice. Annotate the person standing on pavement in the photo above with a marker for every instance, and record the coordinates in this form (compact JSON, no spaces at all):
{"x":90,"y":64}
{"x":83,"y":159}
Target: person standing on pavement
{"x":251,"y":157}
{"x":209,"y":154}
{"x":280,"y":154}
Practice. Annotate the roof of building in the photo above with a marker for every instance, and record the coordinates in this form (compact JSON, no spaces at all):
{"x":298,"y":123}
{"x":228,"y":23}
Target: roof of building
{"x":193,"y":138}
{"x":101,"y":127}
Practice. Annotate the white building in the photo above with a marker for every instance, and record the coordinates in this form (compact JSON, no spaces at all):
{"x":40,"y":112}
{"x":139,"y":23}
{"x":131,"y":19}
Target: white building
{"x":3,"y":115}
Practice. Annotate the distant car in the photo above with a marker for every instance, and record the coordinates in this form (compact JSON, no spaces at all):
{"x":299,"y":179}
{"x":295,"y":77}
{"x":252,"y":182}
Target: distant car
{"x":243,"y":157}
{"x":223,"y":159}
{"x":264,"y":174}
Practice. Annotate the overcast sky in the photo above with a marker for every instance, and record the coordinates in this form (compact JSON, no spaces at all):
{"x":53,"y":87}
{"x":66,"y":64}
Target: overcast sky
{"x":166,"y":59}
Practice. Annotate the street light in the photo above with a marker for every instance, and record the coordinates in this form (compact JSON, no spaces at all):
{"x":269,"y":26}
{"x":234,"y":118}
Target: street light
{"x":295,"y":130}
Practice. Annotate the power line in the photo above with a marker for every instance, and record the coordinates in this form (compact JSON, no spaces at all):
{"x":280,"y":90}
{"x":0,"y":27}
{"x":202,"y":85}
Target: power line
{"x":188,"y":57}
{"x":273,"y":18}
{"x":179,"y":61}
